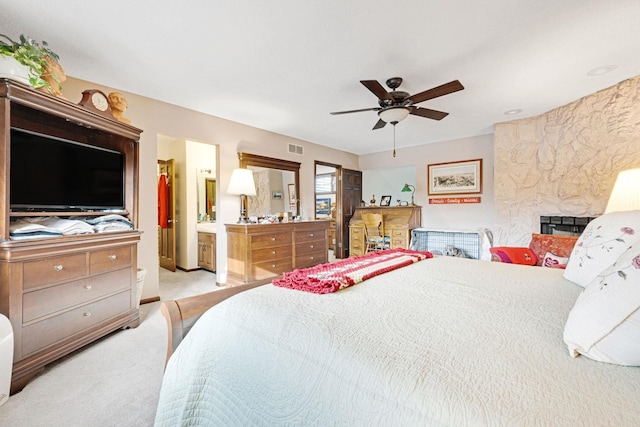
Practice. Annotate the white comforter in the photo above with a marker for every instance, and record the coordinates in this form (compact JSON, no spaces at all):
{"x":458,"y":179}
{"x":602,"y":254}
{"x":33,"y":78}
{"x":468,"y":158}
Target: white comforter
{"x":446,"y":341}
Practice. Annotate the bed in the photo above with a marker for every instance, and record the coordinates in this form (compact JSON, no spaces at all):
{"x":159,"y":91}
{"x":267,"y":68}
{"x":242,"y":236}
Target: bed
{"x":442,"y":342}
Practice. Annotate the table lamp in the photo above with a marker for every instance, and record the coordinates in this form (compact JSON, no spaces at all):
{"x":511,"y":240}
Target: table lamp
{"x":241,"y":183}
{"x":407,"y":188}
{"x":625,"y":195}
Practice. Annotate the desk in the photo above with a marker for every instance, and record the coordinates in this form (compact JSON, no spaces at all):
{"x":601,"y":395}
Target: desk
{"x":398,"y":221}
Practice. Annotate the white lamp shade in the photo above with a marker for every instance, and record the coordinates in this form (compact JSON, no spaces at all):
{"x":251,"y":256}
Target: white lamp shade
{"x":241,"y":183}
{"x":626,"y":192}
{"x":394,"y":114}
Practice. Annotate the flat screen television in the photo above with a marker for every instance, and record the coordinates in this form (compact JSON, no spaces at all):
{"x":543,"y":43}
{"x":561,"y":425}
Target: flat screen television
{"x":54,"y":174}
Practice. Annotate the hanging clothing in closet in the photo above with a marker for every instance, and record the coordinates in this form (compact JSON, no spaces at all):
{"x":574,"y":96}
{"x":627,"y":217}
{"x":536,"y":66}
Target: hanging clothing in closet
{"x":163,"y":200}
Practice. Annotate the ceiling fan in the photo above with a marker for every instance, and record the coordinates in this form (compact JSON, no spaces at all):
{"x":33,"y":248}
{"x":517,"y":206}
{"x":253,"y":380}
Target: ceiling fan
{"x":396,"y":105}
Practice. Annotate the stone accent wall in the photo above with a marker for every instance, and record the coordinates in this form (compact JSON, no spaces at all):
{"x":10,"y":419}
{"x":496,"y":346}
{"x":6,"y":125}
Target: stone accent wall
{"x":563,"y":162}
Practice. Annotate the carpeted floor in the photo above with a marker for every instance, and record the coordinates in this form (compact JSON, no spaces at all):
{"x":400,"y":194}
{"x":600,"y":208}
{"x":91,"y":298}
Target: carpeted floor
{"x":112,"y":382}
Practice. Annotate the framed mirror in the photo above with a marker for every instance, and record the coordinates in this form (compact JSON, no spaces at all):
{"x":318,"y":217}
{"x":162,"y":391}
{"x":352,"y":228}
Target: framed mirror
{"x":277,"y":185}
{"x":206,"y":185}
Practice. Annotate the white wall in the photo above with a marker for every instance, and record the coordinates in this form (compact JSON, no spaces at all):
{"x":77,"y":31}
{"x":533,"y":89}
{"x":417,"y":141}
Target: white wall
{"x":449,"y":217}
{"x":387,"y":182}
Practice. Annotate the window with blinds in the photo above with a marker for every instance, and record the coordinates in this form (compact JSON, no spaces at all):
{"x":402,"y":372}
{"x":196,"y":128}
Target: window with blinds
{"x":326,"y":183}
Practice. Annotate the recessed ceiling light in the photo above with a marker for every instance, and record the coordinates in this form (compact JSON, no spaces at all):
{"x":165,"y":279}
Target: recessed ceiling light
{"x":602,"y":70}
{"x":513,"y":112}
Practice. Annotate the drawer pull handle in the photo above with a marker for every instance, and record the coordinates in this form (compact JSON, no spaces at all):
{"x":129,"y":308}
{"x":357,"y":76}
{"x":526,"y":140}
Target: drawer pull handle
{"x":311,"y":246}
{"x":273,"y":239}
{"x":273,"y":266}
{"x":273,"y":252}
{"x":310,"y":257}
{"x":310,"y":234}
{"x":87,"y":287}
{"x":112,"y":257}
{"x":87,"y":314}
{"x":57,"y":267}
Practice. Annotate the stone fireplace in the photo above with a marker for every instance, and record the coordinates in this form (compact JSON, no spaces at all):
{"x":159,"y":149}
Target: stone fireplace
{"x":563,"y":163}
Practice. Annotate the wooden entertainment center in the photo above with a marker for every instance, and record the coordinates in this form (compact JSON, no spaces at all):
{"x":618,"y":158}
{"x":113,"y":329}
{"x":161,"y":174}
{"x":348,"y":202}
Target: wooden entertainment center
{"x":62,"y":293}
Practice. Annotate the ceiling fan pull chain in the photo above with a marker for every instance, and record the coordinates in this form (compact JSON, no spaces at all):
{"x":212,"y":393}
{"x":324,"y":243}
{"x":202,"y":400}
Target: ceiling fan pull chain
{"x":394,"y":139}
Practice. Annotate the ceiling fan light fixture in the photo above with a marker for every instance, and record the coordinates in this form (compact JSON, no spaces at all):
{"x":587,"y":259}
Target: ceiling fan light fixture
{"x":394,"y":114}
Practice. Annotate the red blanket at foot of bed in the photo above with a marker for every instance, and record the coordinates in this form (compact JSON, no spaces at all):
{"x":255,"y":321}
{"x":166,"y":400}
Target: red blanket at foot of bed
{"x":331,"y":277}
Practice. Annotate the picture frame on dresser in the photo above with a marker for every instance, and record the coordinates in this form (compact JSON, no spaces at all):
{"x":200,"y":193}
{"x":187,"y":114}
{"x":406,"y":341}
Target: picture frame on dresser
{"x":385,"y":201}
{"x":463,"y":177}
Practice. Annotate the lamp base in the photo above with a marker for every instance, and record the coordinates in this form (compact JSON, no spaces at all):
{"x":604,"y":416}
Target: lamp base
{"x":243,"y":220}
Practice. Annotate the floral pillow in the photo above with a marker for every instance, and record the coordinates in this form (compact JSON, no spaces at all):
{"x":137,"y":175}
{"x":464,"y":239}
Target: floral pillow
{"x":604,"y":323}
{"x":560,"y":246}
{"x":601,"y":243}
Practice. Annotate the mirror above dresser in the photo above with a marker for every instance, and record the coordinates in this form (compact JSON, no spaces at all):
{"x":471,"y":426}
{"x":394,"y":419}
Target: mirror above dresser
{"x":277,"y":185}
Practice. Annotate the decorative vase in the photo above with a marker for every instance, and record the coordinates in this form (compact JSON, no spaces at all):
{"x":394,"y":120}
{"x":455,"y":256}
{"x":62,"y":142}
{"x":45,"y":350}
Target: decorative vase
{"x":12,"y":69}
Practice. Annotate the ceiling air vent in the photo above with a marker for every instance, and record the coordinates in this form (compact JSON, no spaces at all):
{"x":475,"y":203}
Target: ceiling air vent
{"x":295,"y":149}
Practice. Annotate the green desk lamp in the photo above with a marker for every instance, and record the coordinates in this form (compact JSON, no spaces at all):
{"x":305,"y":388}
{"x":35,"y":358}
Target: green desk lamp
{"x":408,"y":188}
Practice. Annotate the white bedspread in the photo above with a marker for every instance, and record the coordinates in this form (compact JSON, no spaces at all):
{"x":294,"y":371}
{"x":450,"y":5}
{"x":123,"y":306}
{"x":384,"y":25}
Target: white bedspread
{"x":446,"y":341}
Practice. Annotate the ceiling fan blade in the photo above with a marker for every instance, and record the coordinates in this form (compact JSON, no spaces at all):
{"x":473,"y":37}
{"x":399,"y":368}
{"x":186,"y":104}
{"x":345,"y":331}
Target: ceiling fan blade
{"x":377,"y":89}
{"x":379,"y":125}
{"x":355,"y":111}
{"x":442,"y":90}
{"x":428,"y":113}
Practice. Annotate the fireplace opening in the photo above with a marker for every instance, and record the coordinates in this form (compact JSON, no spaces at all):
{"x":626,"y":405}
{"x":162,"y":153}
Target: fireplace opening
{"x":564,"y":225}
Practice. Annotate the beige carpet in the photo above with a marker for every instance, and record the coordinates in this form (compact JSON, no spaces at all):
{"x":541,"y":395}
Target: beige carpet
{"x":112,"y":382}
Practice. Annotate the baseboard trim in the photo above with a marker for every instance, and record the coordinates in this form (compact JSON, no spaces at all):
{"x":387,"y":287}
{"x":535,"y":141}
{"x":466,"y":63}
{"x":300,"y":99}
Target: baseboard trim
{"x":188,"y":270}
{"x":148,"y":300}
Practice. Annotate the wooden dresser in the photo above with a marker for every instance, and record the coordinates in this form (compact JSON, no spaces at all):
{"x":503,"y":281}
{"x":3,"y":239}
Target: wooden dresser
{"x":60,"y":293}
{"x":64,"y":293}
{"x":398,"y":222}
{"x":257,"y":253}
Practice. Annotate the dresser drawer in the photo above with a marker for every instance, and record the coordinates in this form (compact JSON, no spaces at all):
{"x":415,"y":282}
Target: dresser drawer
{"x":311,"y":259}
{"x":42,"y":334}
{"x":309,"y":236}
{"x":57,"y":298}
{"x":357,"y":232}
{"x":399,"y":238}
{"x":269,"y":240}
{"x":356,"y":245}
{"x":54,"y":270}
{"x":309,"y":247}
{"x":355,"y":251}
{"x":271,"y":254}
{"x":109,"y":259}
{"x":266,"y":270}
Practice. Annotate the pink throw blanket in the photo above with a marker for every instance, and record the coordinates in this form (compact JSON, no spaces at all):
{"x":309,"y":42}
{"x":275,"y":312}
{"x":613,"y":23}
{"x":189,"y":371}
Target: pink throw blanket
{"x":331,"y":277}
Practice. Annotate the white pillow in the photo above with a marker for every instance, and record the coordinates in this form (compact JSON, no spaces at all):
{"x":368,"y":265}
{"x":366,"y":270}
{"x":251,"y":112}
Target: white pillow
{"x":601,"y":243}
{"x":604,"y":323}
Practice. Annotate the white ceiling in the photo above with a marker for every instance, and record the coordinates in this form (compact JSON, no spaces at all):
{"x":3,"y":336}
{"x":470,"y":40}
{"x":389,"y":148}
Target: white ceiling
{"x":284,"y":65}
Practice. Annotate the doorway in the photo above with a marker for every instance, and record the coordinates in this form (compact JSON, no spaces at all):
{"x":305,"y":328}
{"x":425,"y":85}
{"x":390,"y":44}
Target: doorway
{"x":166,"y":214}
{"x":337,"y":192}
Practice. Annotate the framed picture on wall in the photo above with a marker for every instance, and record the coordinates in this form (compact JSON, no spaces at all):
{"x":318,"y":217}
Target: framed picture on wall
{"x":455,"y":178}
{"x":385,"y":201}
